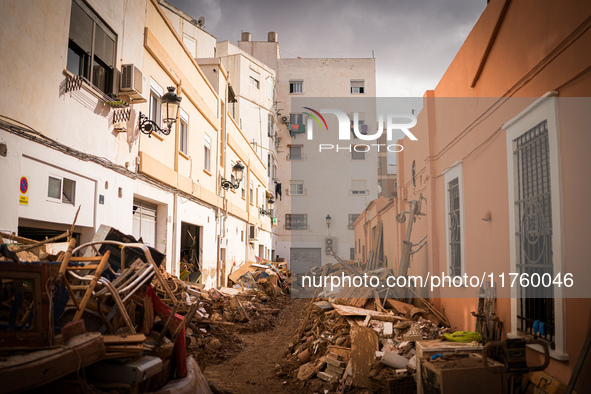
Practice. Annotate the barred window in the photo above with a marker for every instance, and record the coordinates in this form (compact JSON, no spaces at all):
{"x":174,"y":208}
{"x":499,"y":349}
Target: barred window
{"x":352,"y":218}
{"x":533,"y":223}
{"x":296,"y":221}
{"x":455,"y":240}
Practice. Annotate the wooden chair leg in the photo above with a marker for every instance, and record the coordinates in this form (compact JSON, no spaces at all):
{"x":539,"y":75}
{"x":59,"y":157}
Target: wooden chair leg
{"x":91,"y":286}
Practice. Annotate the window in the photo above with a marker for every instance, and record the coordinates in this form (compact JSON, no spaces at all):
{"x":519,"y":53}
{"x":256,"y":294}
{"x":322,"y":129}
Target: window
{"x":207,"y":153}
{"x":535,"y":221}
{"x":155,"y":104}
{"x":184,"y":132}
{"x":62,"y":189}
{"x":357,"y":87}
{"x":296,"y":119}
{"x":295,"y":152}
{"x":455,"y":240}
{"x":270,"y":133}
{"x":271,"y":88}
{"x":254,"y":81}
{"x":362,"y":127}
{"x":454,"y":191}
{"x":352,"y":254}
{"x":144,"y":222}
{"x":358,"y":188}
{"x":242,"y":191}
{"x":269,"y":165}
{"x":191,"y":44}
{"x":296,"y":87}
{"x":91,"y":47}
{"x":534,"y":227}
{"x":296,"y":221}
{"x":251,"y":196}
{"x":352,"y":218}
{"x":296,"y":188}
{"x":358,"y":152}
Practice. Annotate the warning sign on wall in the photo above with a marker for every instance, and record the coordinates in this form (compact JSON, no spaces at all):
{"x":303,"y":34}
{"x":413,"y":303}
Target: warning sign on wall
{"x":23,"y":199}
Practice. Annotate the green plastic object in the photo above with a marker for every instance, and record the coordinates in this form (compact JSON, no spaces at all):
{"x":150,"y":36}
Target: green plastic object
{"x":463,"y":336}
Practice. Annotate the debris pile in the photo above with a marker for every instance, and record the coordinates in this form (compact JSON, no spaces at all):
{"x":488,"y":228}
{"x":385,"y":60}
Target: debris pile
{"x":359,"y":338}
{"x":109,"y":304}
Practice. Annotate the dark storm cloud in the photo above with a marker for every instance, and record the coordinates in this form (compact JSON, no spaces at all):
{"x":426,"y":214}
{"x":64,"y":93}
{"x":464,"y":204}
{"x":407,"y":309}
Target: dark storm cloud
{"x":413,"y":40}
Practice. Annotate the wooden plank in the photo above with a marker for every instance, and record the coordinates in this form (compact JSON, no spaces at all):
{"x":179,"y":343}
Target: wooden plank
{"x":120,"y":339}
{"x":345,"y":310}
{"x":95,"y":278}
{"x":243,"y":269}
{"x":364,"y":344}
{"x":399,"y":306}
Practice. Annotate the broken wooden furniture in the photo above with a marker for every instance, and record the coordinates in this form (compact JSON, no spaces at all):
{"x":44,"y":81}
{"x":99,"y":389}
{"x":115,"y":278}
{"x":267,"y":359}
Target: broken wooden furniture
{"x":26,"y":318}
{"x":128,"y":281}
{"x":25,"y":371}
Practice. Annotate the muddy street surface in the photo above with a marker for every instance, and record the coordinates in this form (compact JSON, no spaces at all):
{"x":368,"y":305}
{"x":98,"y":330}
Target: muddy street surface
{"x":255,"y":367}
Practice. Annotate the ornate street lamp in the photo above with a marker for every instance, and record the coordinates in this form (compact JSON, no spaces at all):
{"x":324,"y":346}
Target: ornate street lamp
{"x":270,"y":204}
{"x":171,"y":104}
{"x":238,"y":173}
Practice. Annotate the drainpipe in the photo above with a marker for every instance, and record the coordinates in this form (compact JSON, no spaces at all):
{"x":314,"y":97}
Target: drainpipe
{"x":222,"y":215}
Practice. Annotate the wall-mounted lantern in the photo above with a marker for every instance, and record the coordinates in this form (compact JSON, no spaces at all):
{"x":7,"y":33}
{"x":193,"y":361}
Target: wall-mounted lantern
{"x":238,"y":172}
{"x":171,"y":104}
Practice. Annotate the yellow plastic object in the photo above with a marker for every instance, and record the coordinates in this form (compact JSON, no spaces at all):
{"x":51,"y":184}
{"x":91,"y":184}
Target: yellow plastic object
{"x":463,"y":336}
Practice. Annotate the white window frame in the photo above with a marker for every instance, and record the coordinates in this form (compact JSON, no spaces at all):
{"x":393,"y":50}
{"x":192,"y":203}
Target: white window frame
{"x":255,"y":80}
{"x":455,"y":171}
{"x":184,"y":119}
{"x":60,"y":199}
{"x":292,"y":157}
{"x":356,"y":191}
{"x":206,"y":152}
{"x":357,"y":89}
{"x":544,"y":108}
{"x":296,"y":82}
{"x":156,"y":92}
{"x":271,"y":88}
{"x":296,"y":183}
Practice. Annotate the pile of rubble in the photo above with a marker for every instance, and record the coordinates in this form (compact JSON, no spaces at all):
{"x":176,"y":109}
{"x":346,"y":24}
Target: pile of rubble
{"x":364,"y":342}
{"x":110,"y":306}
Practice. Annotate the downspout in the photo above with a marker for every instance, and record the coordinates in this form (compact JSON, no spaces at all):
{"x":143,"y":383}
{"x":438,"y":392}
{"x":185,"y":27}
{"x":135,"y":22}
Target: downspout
{"x":219,"y":215}
{"x":175,"y":263}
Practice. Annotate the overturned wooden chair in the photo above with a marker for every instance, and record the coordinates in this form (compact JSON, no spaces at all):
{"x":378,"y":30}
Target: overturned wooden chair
{"x":125,"y":284}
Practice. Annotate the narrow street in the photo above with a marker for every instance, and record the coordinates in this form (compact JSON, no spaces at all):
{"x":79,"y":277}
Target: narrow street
{"x":254,"y":368}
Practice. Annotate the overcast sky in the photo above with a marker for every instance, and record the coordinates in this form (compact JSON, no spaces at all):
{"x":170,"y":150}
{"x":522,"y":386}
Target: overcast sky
{"x":413,"y":41}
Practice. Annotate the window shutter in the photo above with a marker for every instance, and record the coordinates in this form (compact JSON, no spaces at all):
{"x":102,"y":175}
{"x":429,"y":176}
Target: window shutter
{"x":104,"y":46}
{"x":81,"y":28}
{"x":358,"y":185}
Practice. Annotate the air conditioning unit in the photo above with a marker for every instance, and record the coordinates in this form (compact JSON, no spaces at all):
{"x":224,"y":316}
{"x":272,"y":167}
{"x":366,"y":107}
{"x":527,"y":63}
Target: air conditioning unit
{"x":131,"y":82}
{"x":330,"y":245}
{"x":285,"y":120}
{"x":253,"y":233}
